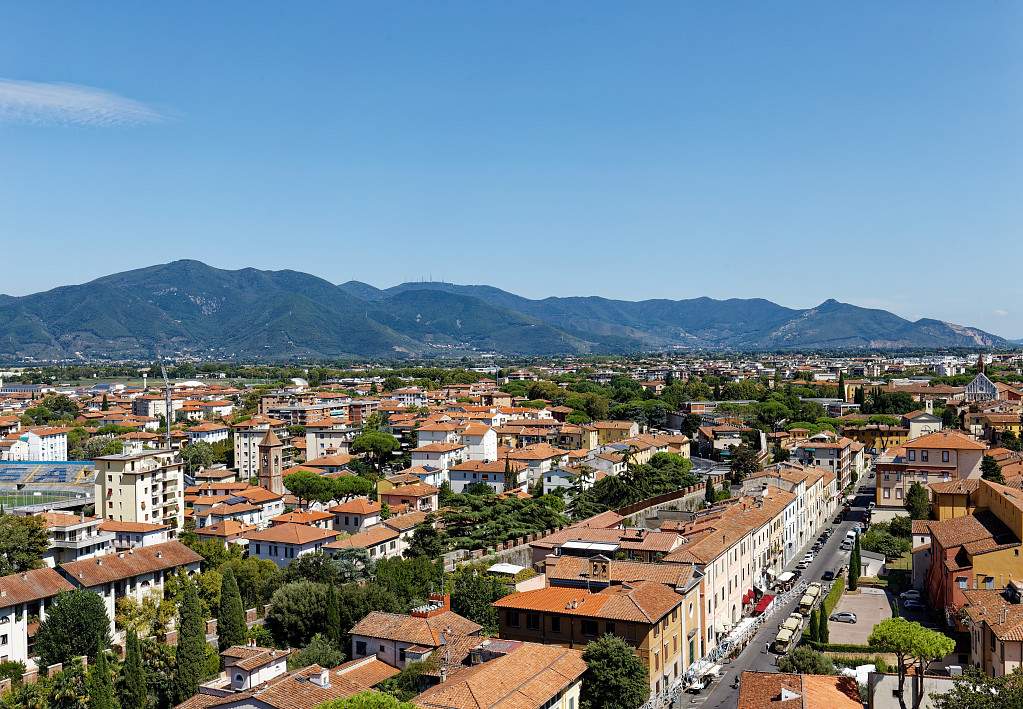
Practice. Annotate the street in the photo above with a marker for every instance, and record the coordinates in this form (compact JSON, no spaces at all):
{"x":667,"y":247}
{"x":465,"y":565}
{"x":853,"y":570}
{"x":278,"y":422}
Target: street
{"x":755,"y":657}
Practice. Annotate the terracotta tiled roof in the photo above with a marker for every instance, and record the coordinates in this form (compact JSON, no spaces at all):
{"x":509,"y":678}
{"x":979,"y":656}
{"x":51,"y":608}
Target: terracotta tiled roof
{"x":414,"y":629}
{"x":526,"y":678}
{"x":946,"y":439}
{"x":292,"y":534}
{"x":777,"y":690}
{"x":375,"y":535}
{"x":405,"y":522}
{"x":956,"y":487}
{"x":109,"y":525}
{"x":307,"y":517}
{"x":117,"y":567}
{"x":642,"y":602}
{"x":576,"y":568}
{"x":413,"y":490}
{"x":439,"y":448}
{"x":358,"y":506}
{"x":31,"y":586}
{"x":990,"y":607}
{"x":251,"y":657}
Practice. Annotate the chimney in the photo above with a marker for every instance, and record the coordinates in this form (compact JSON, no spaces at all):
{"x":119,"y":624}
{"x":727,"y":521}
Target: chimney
{"x":159,"y":555}
{"x":443,"y":674}
{"x":99,"y":562}
{"x":323,"y":679}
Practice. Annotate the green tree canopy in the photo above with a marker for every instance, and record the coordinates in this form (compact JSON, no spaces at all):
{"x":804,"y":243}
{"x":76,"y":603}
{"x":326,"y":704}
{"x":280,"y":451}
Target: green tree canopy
{"x":132,"y":691}
{"x":100,"y":684}
{"x":297,"y":612}
{"x":190,"y":657}
{"x":23,"y":541}
{"x":918,"y":502}
{"x":320,"y":651}
{"x":231,"y":628}
{"x":991,"y":470}
{"x":614,"y":678}
{"x":368,"y":700}
{"x":375,"y":444}
{"x":804,"y":661}
{"x":76,"y":624}
{"x":197,"y":455}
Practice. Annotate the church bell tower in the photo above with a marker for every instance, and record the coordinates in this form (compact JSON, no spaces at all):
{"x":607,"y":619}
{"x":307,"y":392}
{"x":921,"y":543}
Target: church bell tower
{"x":271,"y":454}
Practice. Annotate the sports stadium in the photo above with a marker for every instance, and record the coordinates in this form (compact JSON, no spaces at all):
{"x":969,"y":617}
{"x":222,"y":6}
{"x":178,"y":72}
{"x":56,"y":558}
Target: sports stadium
{"x":55,"y":484}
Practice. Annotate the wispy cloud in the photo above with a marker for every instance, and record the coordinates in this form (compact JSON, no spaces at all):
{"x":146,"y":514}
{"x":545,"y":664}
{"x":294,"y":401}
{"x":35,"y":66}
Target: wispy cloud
{"x":70,"y":104}
{"x":1000,"y":313}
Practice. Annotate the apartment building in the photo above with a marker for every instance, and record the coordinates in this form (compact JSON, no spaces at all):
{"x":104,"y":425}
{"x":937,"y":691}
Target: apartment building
{"x":648,"y":615}
{"x":248,"y":435}
{"x":141,"y":487}
{"x":934,"y":458}
{"x":136,"y":573}
{"x":73,"y":537}
{"x":842,"y":456}
{"x":327,"y":436}
{"x":994,"y":620}
{"x":23,"y":598}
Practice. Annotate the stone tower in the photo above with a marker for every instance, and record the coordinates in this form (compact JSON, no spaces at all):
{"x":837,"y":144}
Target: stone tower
{"x":271,"y":454}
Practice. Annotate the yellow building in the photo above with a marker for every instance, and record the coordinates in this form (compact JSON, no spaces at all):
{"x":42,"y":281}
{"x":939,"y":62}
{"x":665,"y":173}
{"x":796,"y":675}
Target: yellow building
{"x":956,"y":498}
{"x":648,"y":615}
{"x":877,"y":437}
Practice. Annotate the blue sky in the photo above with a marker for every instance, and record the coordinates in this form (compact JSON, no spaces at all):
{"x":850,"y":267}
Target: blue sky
{"x":868,"y":152}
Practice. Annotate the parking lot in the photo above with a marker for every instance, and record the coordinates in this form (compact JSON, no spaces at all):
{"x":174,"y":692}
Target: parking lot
{"x":870,"y":606}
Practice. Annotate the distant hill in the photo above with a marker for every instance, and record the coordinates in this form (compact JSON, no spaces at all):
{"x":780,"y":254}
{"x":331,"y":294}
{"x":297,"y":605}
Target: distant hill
{"x":188,"y":307}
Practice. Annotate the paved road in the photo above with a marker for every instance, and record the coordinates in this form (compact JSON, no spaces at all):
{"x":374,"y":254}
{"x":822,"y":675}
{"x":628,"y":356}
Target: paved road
{"x":755,"y":658}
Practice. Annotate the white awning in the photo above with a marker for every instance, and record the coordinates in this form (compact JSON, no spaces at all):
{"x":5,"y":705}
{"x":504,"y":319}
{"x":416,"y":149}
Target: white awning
{"x":786,"y":577}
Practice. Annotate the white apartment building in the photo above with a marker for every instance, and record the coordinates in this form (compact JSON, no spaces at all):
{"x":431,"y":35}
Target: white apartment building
{"x":23,"y":597}
{"x":248,"y":435}
{"x":327,"y":437}
{"x":74,"y":537}
{"x":136,"y":573}
{"x":141,"y":487}
{"x":45,"y":443}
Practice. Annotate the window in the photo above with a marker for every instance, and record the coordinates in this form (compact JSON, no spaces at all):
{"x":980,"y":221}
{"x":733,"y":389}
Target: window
{"x":513,"y":619}
{"x":898,"y":492}
{"x":533,"y":621}
{"x":944,"y":456}
{"x":360,"y":647}
{"x":590,"y":628}
{"x":401,"y":655}
{"x":961,"y":581}
{"x":556,"y":624}
{"x":887,"y":492}
{"x":912,"y":455}
{"x":609,"y":628}
{"x":239,"y":678}
{"x":924,"y":456}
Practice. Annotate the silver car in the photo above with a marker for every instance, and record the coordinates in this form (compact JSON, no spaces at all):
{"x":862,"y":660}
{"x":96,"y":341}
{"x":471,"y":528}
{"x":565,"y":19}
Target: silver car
{"x":843,"y":617}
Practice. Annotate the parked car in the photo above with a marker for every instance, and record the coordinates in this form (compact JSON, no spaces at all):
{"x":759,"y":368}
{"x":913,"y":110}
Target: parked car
{"x":913,"y":605}
{"x":829,"y":575}
{"x":843,"y":617}
{"x":910,"y":594}
{"x":846,"y":546}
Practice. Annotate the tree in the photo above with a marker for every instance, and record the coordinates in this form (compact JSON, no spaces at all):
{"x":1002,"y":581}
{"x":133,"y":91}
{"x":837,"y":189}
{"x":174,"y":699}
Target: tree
{"x":811,"y":628}
{"x":297,"y":612}
{"x":991,"y":470}
{"x":69,"y":689}
{"x":306,"y":485}
{"x":231,"y":628}
{"x":511,"y":474}
{"x":709,"y":493}
{"x":133,"y":679}
{"x":976,"y":690}
{"x":823,"y":632}
{"x":896,"y":635}
{"x":473,"y":591}
{"x":257,"y":579}
{"x":426,"y":540}
{"x":76,"y":624}
{"x":928,"y":646}
{"x":23,"y":541}
{"x":375,"y":444}
{"x":804,"y":661}
{"x":332,"y":618}
{"x":859,"y":397}
{"x":368,"y":700}
{"x":196,"y":456}
{"x":950,"y":417}
{"x":918,"y":502}
{"x":744,"y":462}
{"x":614,"y":677}
{"x":100,"y":684}
{"x":191,"y":652}
{"x":855,"y":565}
{"x":320,"y":651}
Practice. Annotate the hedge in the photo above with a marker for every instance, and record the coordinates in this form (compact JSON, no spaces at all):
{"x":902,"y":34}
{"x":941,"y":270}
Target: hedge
{"x":843,"y":647}
{"x":837,"y":589}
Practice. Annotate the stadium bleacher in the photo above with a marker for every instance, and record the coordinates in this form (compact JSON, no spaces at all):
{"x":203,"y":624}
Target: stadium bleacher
{"x":72,"y":475}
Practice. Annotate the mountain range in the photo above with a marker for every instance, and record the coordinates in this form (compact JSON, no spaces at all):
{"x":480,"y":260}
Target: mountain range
{"x":188,"y":307}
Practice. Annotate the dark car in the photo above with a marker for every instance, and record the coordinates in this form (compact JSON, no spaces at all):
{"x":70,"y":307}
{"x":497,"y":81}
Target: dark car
{"x":829,"y":575}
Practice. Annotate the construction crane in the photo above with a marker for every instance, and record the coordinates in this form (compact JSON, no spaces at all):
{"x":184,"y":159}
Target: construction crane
{"x":168,"y":406}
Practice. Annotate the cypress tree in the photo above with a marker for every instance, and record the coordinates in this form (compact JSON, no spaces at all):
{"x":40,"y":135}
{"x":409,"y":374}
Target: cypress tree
{"x":854,"y":565}
{"x":709,"y":494}
{"x":231,"y":627}
{"x":99,"y":684}
{"x":332,"y":625}
{"x":133,"y":679}
{"x":811,"y":627}
{"x":191,"y":652}
{"x":823,"y":632}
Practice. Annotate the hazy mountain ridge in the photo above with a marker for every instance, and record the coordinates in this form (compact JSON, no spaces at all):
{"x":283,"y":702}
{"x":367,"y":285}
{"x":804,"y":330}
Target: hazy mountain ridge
{"x":189,"y":307}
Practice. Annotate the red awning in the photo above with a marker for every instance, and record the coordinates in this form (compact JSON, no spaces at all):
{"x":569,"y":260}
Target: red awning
{"x":748,"y":596}
{"x":765,"y":601}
